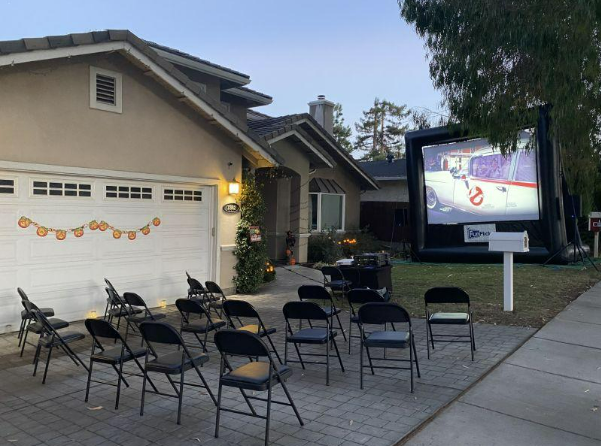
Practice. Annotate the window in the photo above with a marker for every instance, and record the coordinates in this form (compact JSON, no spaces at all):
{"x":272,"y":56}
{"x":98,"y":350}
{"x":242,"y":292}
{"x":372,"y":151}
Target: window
{"x":182,"y":195}
{"x":128,"y":192}
{"x":495,"y":166}
{"x":326,"y":212}
{"x":7,"y":187}
{"x":526,"y":170}
{"x":105,"y":90}
{"x":60,"y":189}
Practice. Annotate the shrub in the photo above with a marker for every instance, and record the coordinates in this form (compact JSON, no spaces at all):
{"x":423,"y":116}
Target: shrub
{"x":324,"y":247}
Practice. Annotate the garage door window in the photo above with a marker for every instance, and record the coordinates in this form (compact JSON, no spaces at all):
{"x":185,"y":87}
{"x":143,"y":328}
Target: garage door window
{"x":128,"y":192}
{"x":61,"y":189}
{"x":7,"y":187}
{"x":189,"y":195}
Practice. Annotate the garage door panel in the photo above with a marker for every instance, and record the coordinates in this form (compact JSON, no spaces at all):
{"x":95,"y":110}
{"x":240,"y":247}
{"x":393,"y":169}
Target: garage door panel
{"x":9,"y":216}
{"x":130,"y":271}
{"x":185,"y":244}
{"x":191,"y":220}
{"x":61,"y":278}
{"x":142,"y":246}
{"x":176,"y":267}
{"x":8,"y":251}
{"x":62,"y":215}
{"x":48,"y":249}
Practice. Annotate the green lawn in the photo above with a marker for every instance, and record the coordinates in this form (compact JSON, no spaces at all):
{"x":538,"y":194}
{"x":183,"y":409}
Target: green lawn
{"x":539,"y":292}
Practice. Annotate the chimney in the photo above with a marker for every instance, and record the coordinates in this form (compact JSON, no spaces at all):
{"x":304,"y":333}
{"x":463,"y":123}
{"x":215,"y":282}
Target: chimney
{"x":323,"y":112}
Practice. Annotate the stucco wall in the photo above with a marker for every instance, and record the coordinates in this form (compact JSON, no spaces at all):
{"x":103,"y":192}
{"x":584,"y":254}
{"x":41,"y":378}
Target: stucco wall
{"x":391,"y":191}
{"x":45,"y":118}
{"x":351,"y":186}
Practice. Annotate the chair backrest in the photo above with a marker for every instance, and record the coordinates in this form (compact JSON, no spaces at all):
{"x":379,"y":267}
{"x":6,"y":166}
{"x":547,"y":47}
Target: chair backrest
{"x":29,"y":307}
{"x":100,"y":328}
{"x":314,"y":292}
{"x":160,"y":333}
{"x":113,"y":297}
{"x":187,"y":306}
{"x":446,"y":295}
{"x":304,"y":310}
{"x":134,"y":300}
{"x":195,"y":285}
{"x":110,"y":285}
{"x":377,"y":313}
{"x":362,"y":296}
{"x":332,"y":271}
{"x":213,"y":288}
{"x":240,"y":343}
{"x":239,"y":308}
{"x":22,"y":294}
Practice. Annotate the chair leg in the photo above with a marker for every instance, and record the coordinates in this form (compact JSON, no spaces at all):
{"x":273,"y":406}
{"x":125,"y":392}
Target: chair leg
{"x":411,"y":366}
{"x":338,"y":354}
{"x":431,"y":335}
{"x":119,"y":378}
{"x":268,"y":414}
{"x":89,"y":381}
{"x":350,"y":333}
{"x":47,"y":364}
{"x":415,"y":354}
{"x":328,"y":361}
{"x":361,"y":365}
{"x":219,"y":391}
{"x":300,"y":358}
{"x":36,"y":360}
{"x":120,"y":374}
{"x":274,"y":349}
{"x":371,"y":364}
{"x":471,"y":341}
{"x":340,"y":326}
{"x":300,"y":420}
{"x":181,"y":396}
{"x":428,"y":339}
{"x":145,"y":375}
{"x":21,"y":330}
{"x":24,"y":342}
{"x":204,"y":382}
{"x":148,"y":378}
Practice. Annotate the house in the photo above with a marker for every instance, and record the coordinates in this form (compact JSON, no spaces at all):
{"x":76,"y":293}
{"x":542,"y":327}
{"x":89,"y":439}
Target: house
{"x":317,"y":187}
{"x":117,"y":158}
{"x":386,"y":211}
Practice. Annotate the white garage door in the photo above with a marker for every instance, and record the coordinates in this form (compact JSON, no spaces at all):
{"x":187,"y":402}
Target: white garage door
{"x":68,"y":274}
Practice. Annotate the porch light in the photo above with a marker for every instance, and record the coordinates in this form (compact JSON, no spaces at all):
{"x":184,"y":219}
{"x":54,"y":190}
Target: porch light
{"x":234,"y":187}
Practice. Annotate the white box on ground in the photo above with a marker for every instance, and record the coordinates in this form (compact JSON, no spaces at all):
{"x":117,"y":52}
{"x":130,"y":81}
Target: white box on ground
{"x":508,"y":243}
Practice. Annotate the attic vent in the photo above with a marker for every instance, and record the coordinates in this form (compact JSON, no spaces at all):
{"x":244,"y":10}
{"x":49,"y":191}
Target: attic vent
{"x":105,"y":89}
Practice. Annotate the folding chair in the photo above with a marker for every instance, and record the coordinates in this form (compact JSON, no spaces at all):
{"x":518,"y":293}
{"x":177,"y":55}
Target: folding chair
{"x":50,"y":339}
{"x":241,"y":309}
{"x":255,"y":376}
{"x":116,"y":307}
{"x":217,"y":297}
{"x":113,"y":356}
{"x":318,"y":293}
{"x":334,"y":279}
{"x":449,"y":295}
{"x":316,"y":336}
{"x":36,"y":327}
{"x":196,"y":291}
{"x":176,"y":362}
{"x":381,"y":313}
{"x":26,"y":317}
{"x":135,"y":302}
{"x":197,"y":326}
{"x":357,"y":297}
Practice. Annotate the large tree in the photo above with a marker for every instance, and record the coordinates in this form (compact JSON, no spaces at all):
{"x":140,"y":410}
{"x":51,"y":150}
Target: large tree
{"x":382,"y":129}
{"x":497,"y":61}
{"x":342,"y":132}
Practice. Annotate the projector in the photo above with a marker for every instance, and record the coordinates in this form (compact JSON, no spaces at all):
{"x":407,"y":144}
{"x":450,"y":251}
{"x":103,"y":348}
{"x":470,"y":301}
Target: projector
{"x":372,"y":259}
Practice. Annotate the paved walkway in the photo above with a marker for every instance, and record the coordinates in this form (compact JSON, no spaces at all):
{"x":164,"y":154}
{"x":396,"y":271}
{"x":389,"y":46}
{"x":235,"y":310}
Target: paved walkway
{"x":337,"y":415}
{"x":547,"y":393}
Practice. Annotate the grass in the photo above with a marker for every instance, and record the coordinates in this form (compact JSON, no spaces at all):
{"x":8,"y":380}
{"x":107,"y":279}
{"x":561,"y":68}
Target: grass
{"x":539,"y":292}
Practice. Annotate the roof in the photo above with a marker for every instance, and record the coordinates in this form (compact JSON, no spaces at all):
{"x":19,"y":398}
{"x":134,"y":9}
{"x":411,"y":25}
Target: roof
{"x":325,"y":186}
{"x":268,"y":128}
{"x":383,"y":170}
{"x":142,"y":54}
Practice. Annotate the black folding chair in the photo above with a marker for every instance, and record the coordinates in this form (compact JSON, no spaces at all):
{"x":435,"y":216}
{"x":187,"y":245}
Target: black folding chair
{"x":197,"y":291}
{"x":175,"y":362}
{"x":114,"y":356}
{"x":357,"y":297}
{"x":216,"y":296}
{"x":449,"y":295}
{"x":197,"y":326}
{"x":116,"y":307}
{"x":26,"y":317}
{"x":51,"y":338}
{"x":316,"y":336}
{"x":240,"y":309}
{"x":334,"y":279}
{"x":36,"y":327}
{"x":320,"y":294}
{"x":134,"y":303}
{"x":381,"y":313}
{"x":255,"y":376}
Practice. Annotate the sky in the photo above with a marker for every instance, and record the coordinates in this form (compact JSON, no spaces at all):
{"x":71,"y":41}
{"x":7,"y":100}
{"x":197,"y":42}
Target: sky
{"x":352,"y":51}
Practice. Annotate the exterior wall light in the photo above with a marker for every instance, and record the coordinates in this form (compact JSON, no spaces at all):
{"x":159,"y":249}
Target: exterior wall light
{"x":234,"y":187}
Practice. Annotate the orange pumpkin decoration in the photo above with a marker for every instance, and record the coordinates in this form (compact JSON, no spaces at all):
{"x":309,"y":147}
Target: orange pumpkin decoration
{"x":78,"y":232}
{"x":93,"y":225}
{"x":61,"y":235}
{"x":145,"y":230}
{"x":288,"y":252}
{"x":24,"y":222}
{"x":156,"y":221}
{"x":116,"y":234}
{"x":103,"y":225}
{"x":292,"y":261}
{"x":42,"y":231}
{"x":131,"y":235}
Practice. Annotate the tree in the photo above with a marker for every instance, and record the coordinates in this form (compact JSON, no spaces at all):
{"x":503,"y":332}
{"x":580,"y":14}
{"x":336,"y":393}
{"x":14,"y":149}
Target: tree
{"x":497,"y":61}
{"x":342,"y":132}
{"x":422,"y":118}
{"x":382,"y":129}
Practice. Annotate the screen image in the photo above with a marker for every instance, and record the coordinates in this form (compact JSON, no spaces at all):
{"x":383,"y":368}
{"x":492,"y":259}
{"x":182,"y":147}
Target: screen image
{"x":471,"y":181}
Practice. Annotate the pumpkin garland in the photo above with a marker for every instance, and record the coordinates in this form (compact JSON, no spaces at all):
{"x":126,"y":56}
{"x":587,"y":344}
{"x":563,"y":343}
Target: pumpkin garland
{"x":61,"y":234}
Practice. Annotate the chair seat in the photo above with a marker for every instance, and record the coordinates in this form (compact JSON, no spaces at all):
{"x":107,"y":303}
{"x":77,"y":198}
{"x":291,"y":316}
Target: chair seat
{"x":113,"y":355}
{"x":450,"y":318}
{"x":254,"y":328}
{"x":253,"y":376}
{"x":390,"y":339}
{"x":311,"y":336}
{"x":202,"y":326}
{"x":331,"y":312}
{"x":143,"y":318}
{"x":171,"y":363}
{"x":48,"y":312}
{"x":338,"y":284}
{"x":217,"y":304}
{"x":55,"y":322}
{"x":68,"y":337}
{"x":122,"y":312}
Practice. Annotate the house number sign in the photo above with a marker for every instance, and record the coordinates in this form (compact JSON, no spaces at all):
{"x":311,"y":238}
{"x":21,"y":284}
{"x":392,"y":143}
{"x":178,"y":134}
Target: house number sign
{"x":231,"y":208}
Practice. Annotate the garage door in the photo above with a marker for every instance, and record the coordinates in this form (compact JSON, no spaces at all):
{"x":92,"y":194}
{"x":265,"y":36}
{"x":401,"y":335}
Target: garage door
{"x":163,"y":230}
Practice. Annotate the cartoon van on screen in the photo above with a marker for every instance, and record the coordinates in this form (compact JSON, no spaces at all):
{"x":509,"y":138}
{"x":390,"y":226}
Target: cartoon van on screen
{"x":490,"y":185}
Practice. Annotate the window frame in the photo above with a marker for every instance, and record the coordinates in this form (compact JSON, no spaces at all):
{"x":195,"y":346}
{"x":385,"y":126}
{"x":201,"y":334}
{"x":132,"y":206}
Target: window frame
{"x":94,"y":104}
{"x":15,"y":186}
{"x":63,"y":181}
{"x":129,"y":192}
{"x":195,"y":192}
{"x":343,"y":210}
